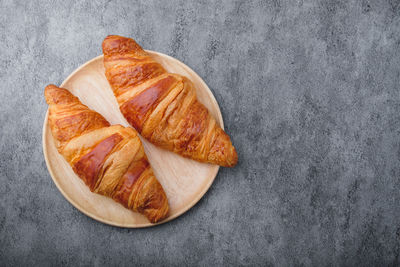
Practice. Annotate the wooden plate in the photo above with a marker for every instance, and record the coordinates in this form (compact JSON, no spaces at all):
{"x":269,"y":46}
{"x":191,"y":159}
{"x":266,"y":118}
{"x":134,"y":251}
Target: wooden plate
{"x":185,"y":181}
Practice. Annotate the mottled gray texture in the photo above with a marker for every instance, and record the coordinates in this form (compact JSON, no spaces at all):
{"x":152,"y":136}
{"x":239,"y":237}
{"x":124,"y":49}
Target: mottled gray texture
{"x":309,"y":92}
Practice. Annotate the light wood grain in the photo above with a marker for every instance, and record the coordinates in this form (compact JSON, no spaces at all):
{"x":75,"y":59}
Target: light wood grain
{"x":185,"y":181}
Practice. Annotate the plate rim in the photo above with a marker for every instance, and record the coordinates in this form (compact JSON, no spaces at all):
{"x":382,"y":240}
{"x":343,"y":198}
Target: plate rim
{"x":105,"y":220}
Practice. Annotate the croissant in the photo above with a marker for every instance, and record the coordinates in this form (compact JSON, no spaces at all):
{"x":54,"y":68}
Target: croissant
{"x":109,"y":159}
{"x":163,"y":106}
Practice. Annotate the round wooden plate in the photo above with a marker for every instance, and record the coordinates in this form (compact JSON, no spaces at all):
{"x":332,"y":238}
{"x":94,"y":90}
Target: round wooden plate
{"x":185,"y":181}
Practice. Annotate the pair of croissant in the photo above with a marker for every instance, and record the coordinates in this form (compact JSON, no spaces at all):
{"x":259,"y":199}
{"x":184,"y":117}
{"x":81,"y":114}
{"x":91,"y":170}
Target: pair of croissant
{"x":161,"y":106}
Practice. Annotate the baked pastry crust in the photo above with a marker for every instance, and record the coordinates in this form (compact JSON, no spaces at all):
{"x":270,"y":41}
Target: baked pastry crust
{"x":109,"y":159}
{"x":162,"y":106}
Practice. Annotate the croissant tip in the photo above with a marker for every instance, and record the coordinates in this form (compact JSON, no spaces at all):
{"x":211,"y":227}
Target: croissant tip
{"x":157,"y":217}
{"x":117,"y":45}
{"x":234,"y":162}
{"x":56,"y":95}
{"x":231,"y":162}
{"x":51,"y":86}
{"x":47,"y":90}
{"x":114,"y":36}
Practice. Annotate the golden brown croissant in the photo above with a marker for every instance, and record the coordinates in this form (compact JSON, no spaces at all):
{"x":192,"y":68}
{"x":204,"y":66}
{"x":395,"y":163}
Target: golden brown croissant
{"x":163,"y":106}
{"x":109,"y":159}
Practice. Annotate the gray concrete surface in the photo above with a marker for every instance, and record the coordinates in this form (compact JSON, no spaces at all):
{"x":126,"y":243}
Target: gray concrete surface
{"x":309,"y":92}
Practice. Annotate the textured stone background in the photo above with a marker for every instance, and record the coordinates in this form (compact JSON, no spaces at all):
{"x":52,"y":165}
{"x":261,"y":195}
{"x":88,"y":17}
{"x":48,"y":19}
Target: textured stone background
{"x":309,"y":92}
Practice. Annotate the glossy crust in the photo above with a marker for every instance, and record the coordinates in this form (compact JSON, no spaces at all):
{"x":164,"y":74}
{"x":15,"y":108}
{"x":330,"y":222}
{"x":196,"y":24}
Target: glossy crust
{"x":163,"y":106}
{"x":109,"y":159}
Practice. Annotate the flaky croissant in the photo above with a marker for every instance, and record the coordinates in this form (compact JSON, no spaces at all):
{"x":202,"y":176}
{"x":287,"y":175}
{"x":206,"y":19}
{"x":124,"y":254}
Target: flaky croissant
{"x":163,"y":106}
{"x":109,"y":159}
